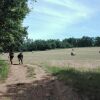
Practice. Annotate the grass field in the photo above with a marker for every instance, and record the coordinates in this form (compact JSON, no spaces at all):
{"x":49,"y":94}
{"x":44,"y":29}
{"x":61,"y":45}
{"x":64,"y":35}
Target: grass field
{"x":81,"y":72}
{"x":85,"y":57}
{"x":85,"y":83}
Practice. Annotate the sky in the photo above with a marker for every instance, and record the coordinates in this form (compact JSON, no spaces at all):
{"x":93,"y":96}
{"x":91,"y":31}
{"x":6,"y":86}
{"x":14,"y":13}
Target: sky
{"x":60,"y":19}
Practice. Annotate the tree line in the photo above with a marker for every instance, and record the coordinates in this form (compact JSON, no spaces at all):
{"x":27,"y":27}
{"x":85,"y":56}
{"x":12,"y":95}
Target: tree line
{"x":85,"y":41}
{"x":13,"y":33}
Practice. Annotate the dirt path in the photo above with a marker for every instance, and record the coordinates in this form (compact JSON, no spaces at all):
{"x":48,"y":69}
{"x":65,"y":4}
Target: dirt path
{"x":40,"y":73}
{"x":17,"y":75}
{"x":42,"y":87}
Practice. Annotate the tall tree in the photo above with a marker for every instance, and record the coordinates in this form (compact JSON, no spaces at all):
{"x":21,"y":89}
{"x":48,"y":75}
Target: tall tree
{"x":85,"y":41}
{"x":72,"y":41}
{"x":12,"y":13}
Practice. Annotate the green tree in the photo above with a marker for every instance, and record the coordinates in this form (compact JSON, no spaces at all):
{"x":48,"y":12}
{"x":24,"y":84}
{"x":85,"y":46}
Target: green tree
{"x":85,"y":41}
{"x":97,"y":41}
{"x":12,"y":13}
{"x":72,"y":42}
{"x":40,"y":45}
{"x":66,"y":44}
{"x":51,"y":44}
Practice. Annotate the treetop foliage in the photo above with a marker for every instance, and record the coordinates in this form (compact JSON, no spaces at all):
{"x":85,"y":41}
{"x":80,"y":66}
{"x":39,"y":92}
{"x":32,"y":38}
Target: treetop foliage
{"x":30,"y":45}
{"x":12,"y":13}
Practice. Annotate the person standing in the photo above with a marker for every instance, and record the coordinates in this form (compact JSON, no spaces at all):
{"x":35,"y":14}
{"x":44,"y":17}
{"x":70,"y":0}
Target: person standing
{"x":11,"y":56}
{"x":20,"y":57}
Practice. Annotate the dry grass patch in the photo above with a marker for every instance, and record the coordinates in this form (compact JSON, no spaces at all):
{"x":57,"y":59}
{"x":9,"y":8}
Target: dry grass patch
{"x":30,"y":72}
{"x":84,"y":82}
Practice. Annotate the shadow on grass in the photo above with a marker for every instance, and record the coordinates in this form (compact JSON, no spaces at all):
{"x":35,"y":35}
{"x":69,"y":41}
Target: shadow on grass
{"x":85,"y":83}
{"x":45,"y":89}
{"x":38,"y":90}
{"x":79,"y":85}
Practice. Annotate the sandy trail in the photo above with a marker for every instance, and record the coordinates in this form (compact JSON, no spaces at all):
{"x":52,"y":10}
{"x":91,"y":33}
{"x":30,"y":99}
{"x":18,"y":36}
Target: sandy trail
{"x":43,"y":87}
{"x":17,"y":75}
{"x":40,"y":73}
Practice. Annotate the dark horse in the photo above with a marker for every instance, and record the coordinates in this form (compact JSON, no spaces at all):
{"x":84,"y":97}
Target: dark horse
{"x":20,"y":58}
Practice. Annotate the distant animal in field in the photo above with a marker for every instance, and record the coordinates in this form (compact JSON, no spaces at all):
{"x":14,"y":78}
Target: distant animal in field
{"x":20,"y":58}
{"x":73,"y":54}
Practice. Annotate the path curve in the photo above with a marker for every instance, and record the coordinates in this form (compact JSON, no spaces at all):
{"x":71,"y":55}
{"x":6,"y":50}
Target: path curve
{"x":43,"y":87}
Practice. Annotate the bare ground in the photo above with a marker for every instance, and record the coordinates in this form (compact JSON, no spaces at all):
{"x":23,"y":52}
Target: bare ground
{"x":43,"y":87}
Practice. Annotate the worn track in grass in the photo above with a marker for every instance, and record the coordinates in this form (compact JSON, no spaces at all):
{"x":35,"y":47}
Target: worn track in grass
{"x":42,"y":87}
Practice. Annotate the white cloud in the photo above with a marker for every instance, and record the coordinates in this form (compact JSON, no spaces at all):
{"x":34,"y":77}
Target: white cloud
{"x":77,"y":10}
{"x":53,"y":16}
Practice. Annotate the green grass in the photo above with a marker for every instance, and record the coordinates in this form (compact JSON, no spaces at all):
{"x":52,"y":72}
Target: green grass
{"x":85,"y":57}
{"x":85,"y":83}
{"x":4,"y":69}
{"x":30,"y":72}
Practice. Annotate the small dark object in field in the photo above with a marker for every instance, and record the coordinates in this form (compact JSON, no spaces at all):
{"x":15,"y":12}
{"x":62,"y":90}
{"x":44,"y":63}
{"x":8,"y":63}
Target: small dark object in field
{"x":20,"y":84}
{"x":99,"y":51}
{"x":20,"y":58}
{"x":72,"y":54}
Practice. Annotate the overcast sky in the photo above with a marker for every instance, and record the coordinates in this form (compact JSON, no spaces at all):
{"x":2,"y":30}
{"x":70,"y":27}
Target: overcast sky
{"x":59,"y":19}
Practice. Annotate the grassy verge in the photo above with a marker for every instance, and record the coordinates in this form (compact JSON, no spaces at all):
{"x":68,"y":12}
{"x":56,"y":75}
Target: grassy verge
{"x":4,"y":69}
{"x":85,"y":83}
{"x":30,"y":72}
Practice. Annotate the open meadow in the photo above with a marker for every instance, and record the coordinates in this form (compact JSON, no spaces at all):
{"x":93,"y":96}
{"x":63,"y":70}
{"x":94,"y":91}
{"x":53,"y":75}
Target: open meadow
{"x":84,"y":58}
{"x":80,"y":73}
